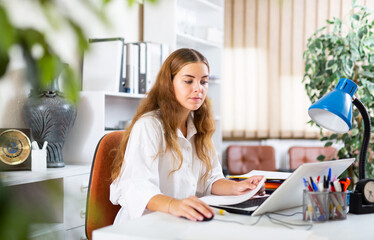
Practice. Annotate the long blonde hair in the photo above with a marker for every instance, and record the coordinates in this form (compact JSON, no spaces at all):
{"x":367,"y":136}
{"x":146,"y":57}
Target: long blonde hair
{"x":162,"y":98}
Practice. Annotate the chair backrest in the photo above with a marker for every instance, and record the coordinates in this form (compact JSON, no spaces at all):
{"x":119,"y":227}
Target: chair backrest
{"x":100,"y":212}
{"x":243,"y":159}
{"x":299,"y":155}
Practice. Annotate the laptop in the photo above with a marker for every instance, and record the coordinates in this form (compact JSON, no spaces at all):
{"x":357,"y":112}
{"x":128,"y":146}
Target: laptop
{"x":289,"y":193}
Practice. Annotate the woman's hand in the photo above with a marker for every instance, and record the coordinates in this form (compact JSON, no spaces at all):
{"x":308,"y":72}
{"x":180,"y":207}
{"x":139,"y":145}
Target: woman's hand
{"x":191,"y":208}
{"x":247,"y":185}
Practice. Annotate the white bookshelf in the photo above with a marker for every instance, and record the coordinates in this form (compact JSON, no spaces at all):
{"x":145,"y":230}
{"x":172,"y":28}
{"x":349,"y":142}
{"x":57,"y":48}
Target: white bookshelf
{"x":196,"y":24}
{"x":98,"y":113}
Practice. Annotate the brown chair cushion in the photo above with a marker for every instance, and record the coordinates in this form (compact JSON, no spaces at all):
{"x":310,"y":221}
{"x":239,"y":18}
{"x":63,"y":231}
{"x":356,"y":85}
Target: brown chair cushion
{"x":243,"y":159}
{"x":100,"y":212}
{"x":300,"y":155}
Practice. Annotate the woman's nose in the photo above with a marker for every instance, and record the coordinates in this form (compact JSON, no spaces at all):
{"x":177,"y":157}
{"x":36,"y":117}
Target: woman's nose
{"x":196,"y":87}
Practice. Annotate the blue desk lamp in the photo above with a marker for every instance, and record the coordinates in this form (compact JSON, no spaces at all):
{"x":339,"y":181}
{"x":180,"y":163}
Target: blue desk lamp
{"x":334,"y":112}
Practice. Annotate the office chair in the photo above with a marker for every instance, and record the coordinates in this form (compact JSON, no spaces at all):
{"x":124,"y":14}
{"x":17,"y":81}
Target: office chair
{"x":243,"y":159}
{"x":100,"y":212}
{"x":299,"y":155}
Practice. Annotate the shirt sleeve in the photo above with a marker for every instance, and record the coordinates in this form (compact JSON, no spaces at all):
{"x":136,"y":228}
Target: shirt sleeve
{"x":138,"y":181}
{"x":216,"y":174}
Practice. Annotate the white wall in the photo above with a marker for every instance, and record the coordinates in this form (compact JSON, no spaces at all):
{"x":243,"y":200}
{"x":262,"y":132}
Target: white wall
{"x":24,"y":13}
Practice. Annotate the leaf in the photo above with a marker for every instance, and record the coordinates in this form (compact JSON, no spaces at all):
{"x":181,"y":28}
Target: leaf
{"x":356,"y":17}
{"x":321,"y":157}
{"x":4,"y":61}
{"x":333,"y":136}
{"x":7,"y":32}
{"x":355,"y":131}
{"x":328,"y":144}
{"x":324,"y":139}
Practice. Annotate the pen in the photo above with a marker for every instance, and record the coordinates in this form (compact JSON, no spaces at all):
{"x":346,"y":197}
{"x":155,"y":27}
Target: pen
{"x":332,"y":187}
{"x":346,"y":183}
{"x":329,"y":174}
{"x":315,"y":187}
{"x":337,"y":186}
{"x":236,"y":178}
{"x":312,"y":184}
{"x":220,"y":211}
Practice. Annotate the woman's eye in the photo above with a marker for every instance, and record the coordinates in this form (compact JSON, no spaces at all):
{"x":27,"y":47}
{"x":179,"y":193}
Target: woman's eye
{"x":188,"y":81}
{"x":204,"y":82}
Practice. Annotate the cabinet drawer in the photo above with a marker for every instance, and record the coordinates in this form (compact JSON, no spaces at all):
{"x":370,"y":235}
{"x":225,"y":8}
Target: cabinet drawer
{"x":75,"y":194}
{"x":76,"y":186}
{"x":75,"y":234}
{"x":74,"y":213}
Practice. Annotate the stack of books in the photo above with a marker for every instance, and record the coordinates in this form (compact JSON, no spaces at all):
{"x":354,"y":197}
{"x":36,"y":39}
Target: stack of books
{"x":113,"y":65}
{"x":273,"y":179}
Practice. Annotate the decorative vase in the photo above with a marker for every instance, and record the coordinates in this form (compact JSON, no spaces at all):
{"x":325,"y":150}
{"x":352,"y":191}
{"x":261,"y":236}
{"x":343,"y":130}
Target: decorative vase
{"x":50,"y":117}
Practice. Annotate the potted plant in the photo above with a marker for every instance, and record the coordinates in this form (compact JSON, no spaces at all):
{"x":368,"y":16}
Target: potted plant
{"x":346,"y":51}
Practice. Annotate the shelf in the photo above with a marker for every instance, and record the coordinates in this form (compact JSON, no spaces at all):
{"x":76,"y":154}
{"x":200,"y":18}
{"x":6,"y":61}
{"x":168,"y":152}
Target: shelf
{"x":46,"y":230}
{"x":128,"y":95}
{"x":202,"y":5}
{"x":12,"y":178}
{"x":185,"y":40}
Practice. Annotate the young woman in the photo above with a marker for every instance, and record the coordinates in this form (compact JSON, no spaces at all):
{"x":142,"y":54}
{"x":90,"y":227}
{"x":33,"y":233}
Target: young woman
{"x":167,"y":159}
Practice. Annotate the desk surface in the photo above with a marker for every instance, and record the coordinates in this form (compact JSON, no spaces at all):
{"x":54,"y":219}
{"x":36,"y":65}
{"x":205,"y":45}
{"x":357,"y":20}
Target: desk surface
{"x":163,"y":226}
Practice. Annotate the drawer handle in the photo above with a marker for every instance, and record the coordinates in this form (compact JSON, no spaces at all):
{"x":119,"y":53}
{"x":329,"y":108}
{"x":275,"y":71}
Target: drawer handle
{"x":84,"y":187}
{"x":83,"y":214}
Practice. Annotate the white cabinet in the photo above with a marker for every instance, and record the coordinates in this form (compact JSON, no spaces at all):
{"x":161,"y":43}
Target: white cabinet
{"x":55,"y":198}
{"x":196,"y":24}
{"x":75,"y":195}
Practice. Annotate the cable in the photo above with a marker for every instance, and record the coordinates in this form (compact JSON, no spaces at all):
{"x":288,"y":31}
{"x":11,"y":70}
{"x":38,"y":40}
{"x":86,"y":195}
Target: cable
{"x":288,"y":224}
{"x":274,"y":220}
{"x":233,"y":221}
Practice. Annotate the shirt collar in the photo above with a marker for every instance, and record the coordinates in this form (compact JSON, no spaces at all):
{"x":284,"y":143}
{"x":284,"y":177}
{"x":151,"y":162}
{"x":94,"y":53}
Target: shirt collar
{"x":191,"y":129}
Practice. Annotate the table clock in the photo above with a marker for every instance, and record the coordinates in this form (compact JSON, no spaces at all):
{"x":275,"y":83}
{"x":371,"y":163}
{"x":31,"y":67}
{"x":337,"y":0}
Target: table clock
{"x":362,"y":199}
{"x":15,"y":149}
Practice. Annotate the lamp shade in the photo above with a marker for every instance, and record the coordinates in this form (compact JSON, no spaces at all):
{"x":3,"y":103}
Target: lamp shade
{"x":334,"y":110}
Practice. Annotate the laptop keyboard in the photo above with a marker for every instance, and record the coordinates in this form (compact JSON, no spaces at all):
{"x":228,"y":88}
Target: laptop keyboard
{"x":250,"y":202}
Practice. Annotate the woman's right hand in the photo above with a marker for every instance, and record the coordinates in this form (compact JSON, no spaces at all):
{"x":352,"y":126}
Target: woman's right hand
{"x":191,"y":208}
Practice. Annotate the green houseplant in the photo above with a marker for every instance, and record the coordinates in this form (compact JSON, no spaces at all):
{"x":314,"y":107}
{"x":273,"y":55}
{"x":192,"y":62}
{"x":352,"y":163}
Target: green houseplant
{"x":42,"y":65}
{"x":346,"y":51}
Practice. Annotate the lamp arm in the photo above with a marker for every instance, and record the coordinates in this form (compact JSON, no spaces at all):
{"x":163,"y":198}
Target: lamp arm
{"x":365,"y":141}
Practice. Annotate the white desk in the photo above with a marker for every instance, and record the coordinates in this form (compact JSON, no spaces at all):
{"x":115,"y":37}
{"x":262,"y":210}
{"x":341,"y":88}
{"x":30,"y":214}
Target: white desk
{"x":163,"y":226}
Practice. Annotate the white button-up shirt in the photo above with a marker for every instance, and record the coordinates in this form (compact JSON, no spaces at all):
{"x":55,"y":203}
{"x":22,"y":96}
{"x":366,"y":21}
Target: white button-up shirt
{"x":147,"y":168}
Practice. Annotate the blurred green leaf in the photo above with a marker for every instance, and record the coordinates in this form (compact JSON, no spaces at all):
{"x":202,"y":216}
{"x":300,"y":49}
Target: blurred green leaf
{"x":328,"y":144}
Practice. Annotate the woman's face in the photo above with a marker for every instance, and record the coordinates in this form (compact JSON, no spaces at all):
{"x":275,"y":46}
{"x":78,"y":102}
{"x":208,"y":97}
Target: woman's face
{"x":191,"y":85}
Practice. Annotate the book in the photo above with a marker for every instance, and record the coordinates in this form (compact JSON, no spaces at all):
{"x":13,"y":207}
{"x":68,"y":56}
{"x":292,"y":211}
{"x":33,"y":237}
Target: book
{"x":273,"y":178}
{"x":103,"y":65}
{"x":132,"y":68}
{"x":231,"y":199}
{"x":267,"y":174}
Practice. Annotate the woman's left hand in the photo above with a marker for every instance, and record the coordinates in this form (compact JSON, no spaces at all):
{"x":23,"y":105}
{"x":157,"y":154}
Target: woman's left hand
{"x":247,"y":185}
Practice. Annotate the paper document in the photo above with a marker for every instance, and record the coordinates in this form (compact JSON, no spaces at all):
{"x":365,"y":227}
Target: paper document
{"x":232,"y":199}
{"x":267,"y":174}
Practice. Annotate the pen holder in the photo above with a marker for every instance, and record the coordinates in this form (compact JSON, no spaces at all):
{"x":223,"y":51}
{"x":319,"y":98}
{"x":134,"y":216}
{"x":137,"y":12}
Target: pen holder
{"x":338,"y":205}
{"x":315,"y":206}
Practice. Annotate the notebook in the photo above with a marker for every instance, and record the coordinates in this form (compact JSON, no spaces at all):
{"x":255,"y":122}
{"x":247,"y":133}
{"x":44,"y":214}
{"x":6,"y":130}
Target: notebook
{"x":289,"y":193}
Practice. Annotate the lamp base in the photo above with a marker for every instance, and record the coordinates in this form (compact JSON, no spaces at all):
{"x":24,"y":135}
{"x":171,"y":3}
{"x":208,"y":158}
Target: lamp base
{"x":356,"y":206}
